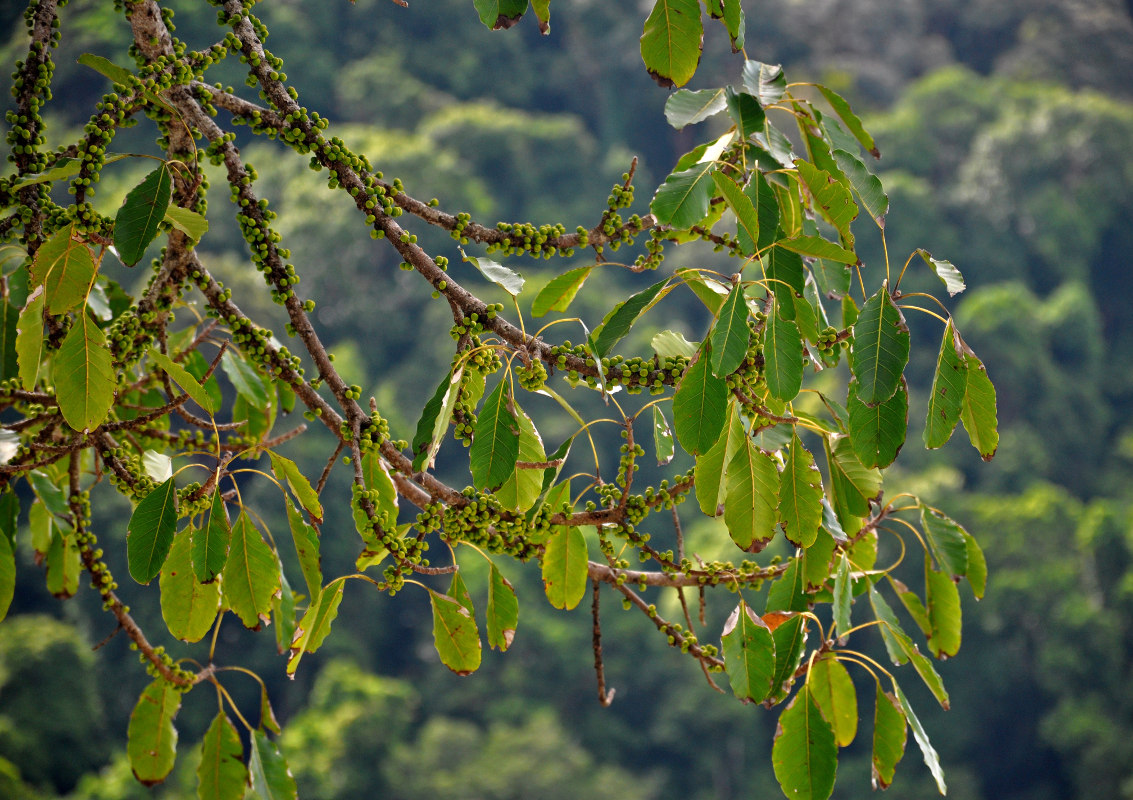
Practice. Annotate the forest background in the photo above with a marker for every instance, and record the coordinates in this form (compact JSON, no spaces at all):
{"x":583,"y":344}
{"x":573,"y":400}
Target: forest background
{"x":1005,"y":128}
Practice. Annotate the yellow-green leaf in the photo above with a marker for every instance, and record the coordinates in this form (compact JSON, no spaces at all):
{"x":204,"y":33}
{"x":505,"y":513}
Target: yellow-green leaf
{"x":183,"y":378}
{"x":65,"y":268}
{"x":889,"y":732}
{"x":564,"y":567}
{"x":152,"y":739}
{"x":251,"y":576}
{"x":503,"y":610}
{"x":749,"y":654}
{"x":834,"y":694}
{"x":287,"y":471}
{"x":455,"y":635}
{"x":560,"y":291}
{"x":221,"y":774}
{"x":315,"y":625}
{"x":949,"y":385}
{"x":84,"y":375}
{"x":805,"y":754}
{"x":188,"y":606}
{"x":942,"y":602}
{"x":671,"y":41}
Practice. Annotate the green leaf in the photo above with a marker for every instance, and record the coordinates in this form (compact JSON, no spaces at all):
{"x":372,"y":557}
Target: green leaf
{"x":188,"y":221}
{"x":188,"y":606}
{"x":621,"y":318}
{"x":183,"y":378}
{"x":376,"y":477}
{"x":283,"y":614}
{"x":671,"y":41}
{"x":816,"y":559}
{"x":741,"y":204}
{"x":788,"y":592}
{"x":730,"y":334}
{"x":950,"y":276}
{"x":245,"y":379}
{"x":210,"y":543}
{"x":751,"y":497}
{"x":503,"y":610}
{"x":682,"y":200}
{"x":765,"y":81}
{"x":948,"y":387}
{"x":685,"y":107}
{"x":251,"y":576}
{"x":455,"y":635}
{"x":699,"y":405}
{"x":65,"y":268}
{"x":495,"y":444}
{"x":669,"y":344}
{"x":434,"y":420}
{"x":500,"y":14}
{"x":978,"y":412}
{"x":41,"y":527}
{"x":287,"y":471}
{"x":805,"y":754}
{"x":196,"y":366}
{"x":306,"y":541}
{"x":565,"y":567}
{"x":786,"y":278}
{"x":270,"y":777}
{"x":543,"y":14}
{"x":843,"y":596}
{"x":745,"y":111}
{"x":842,"y":109}
{"x":523,"y":487}
{"x":267,"y":716}
{"x":817,"y":247}
{"x":662,"y":437}
{"x":783,"y":356}
{"x":152,"y":745}
{"x":84,"y":375}
{"x":7,"y":576}
{"x":137,"y":221}
{"x":834,"y":694}
{"x":901,"y":649}
{"x":855,"y":483}
{"x":9,"y":328}
{"x":889,"y":732}
{"x":942,"y":602}
{"x":867,"y":186}
{"x":977,"y":566}
{"x":560,"y":291}
{"x":149,"y":534}
{"x":221,"y":774}
{"x":64,"y":168}
{"x":734,"y":24}
{"x":709,"y":471}
{"x":509,"y":280}
{"x":877,"y":432}
{"x":63,"y":565}
{"x":790,"y":641}
{"x":832,"y":200}
{"x":931,"y":759}
{"x":946,"y":541}
{"x":315,"y":625}
{"x":749,"y":654}
{"x":881,"y":348}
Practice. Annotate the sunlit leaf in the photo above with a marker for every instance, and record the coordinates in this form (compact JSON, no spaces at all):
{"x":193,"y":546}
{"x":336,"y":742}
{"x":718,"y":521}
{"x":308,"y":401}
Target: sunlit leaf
{"x":270,"y":776}
{"x":306,"y":540}
{"x":805,"y":754}
{"x":522,"y":488}
{"x":817,"y":247}
{"x":842,"y":109}
{"x":500,"y":14}
{"x":150,"y":532}
{"x":188,"y":606}
{"x":831,"y":199}
{"x":455,"y":635}
{"x":889,"y":732}
{"x":833,"y":692}
{"x":730,"y":334}
{"x":502,"y":612}
{"x":843,"y":596}
{"x":790,"y":642}
{"x":137,"y":221}
{"x":508,"y":280}
{"x":765,"y":81}
{"x":709,"y":471}
{"x":184,"y":379}
{"x":699,"y":405}
{"x":251,"y":576}
{"x":564,"y":567}
{"x":749,"y":654}
{"x":682,"y":200}
{"x":977,"y":566}
{"x":434,"y":420}
{"x":287,"y":471}
{"x":867,"y":186}
{"x":751,"y":497}
{"x":221,"y":774}
{"x":978,"y":412}
{"x":949,"y":384}
{"x":560,"y":291}
{"x":158,"y":466}
{"x":63,"y":565}
{"x":950,"y":276}
{"x":7,"y":576}
{"x":931,"y":759}
{"x":495,"y":444}
{"x":671,"y":41}
{"x":152,"y":739}
{"x":946,"y":541}
{"x":315,"y":625}
{"x":669,"y":344}
{"x":65,"y":268}
{"x":685,"y":107}
{"x":188,"y":221}
{"x":881,"y":348}
{"x":84,"y":375}
{"x":942,"y":603}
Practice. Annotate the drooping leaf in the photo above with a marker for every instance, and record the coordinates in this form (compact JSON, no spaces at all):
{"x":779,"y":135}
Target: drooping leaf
{"x":542,"y":10}
{"x":751,"y":497}
{"x":831,"y":199}
{"x":149,"y":534}
{"x":245,"y":379}
{"x":495,"y":444}
{"x":187,"y":605}
{"x":881,"y":348}
{"x":731,"y":12}
{"x":29,"y":339}
{"x":730,"y":334}
{"x":854,"y":484}
{"x":503,"y":610}
{"x":315,"y":625}
{"x":805,"y":754}
{"x":455,"y":635}
{"x":221,"y":774}
{"x":271,"y":778}
{"x":152,"y":739}
{"x":283,"y":615}
{"x":946,"y":541}
{"x":942,"y":603}
{"x":977,"y":566}
{"x":377,"y":479}
{"x":765,"y":81}
{"x":669,"y":344}
{"x":210,"y":542}
{"x":508,"y":280}
{"x":833,"y":692}
{"x":709,"y":471}
{"x":749,"y":654}
{"x":978,"y":412}
{"x":842,"y":109}
{"x":560,"y":291}
{"x":877,"y":432}
{"x":7,"y":575}
{"x":671,"y":41}
{"x":790,"y":642}
{"x":500,"y":14}
{"x":889,"y":732}
{"x":901,"y":649}
{"x":685,"y":107}
{"x":306,"y":541}
{"x":63,"y":565}
{"x":817,"y":247}
{"x":950,"y":276}
{"x":843,"y":596}
{"x":251,"y":576}
{"x":948,"y":387}
{"x":817,"y":558}
{"x":287,"y":471}
{"x":782,"y":356}
{"x":188,"y":221}
{"x":745,"y":111}
{"x":621,"y":318}
{"x":914,"y":606}
{"x":41,"y":528}
{"x":682,"y":200}
{"x":65,"y":268}
{"x":9,"y":328}
{"x":564,"y":567}
{"x":137,"y":221}
{"x":522,"y":488}
{"x":788,"y":592}
{"x":786,"y":277}
{"x":662,"y":438}
{"x":867,"y":186}
{"x":184,"y":379}
{"x":767,"y":220}
{"x":699,"y":405}
{"x":931,"y":759}
{"x":84,"y":375}
{"x":435,"y":419}
{"x":741,"y":204}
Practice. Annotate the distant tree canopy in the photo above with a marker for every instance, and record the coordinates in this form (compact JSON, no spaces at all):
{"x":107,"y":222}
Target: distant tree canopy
{"x":775,"y":421}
